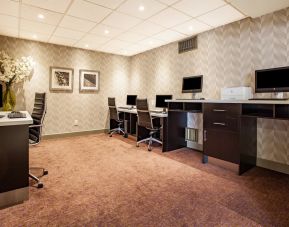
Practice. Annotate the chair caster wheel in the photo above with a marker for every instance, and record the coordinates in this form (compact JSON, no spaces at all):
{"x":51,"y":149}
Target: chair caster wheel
{"x":45,"y":172}
{"x":137,"y":145}
{"x":39,"y":185}
{"x":149,"y":149}
{"x":125,"y":135}
{"x":110,"y":135}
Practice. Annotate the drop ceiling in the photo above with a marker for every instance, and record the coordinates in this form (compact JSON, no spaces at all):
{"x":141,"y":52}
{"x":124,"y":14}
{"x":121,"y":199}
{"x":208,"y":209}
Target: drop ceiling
{"x":124,"y":27}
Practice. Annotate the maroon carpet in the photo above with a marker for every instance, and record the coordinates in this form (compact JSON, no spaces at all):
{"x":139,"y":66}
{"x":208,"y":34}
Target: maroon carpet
{"x":100,"y":181}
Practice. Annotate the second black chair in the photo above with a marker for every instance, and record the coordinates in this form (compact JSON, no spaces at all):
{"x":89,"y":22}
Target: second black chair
{"x":145,"y":120}
{"x":114,"y":115}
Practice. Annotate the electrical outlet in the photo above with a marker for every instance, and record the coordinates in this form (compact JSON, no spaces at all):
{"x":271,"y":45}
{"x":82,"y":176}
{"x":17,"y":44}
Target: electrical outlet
{"x":75,"y":122}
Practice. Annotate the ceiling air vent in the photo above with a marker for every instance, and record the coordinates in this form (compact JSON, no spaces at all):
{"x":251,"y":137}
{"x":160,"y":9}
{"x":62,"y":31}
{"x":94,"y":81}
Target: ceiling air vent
{"x":188,"y":44}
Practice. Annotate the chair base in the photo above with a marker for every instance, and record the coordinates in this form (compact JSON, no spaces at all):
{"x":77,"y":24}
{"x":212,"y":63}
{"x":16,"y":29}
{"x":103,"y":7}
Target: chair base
{"x":150,"y":140}
{"x":38,"y":181}
{"x":118,"y":130}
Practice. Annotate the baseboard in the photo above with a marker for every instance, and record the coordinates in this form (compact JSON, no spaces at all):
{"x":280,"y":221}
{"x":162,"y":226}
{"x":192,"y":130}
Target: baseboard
{"x":71,"y":134}
{"x":279,"y":167}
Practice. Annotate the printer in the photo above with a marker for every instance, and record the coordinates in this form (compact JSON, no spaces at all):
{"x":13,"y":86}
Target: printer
{"x":236,"y":93}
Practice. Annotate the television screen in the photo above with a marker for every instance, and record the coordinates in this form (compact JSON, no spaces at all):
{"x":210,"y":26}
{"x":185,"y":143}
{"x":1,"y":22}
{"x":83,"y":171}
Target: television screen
{"x":131,"y":100}
{"x":160,"y":100}
{"x":192,"y":84}
{"x":272,"y":80}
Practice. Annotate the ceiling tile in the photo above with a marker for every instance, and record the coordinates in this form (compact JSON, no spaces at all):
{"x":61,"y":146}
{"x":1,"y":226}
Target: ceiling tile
{"x":62,"y":41}
{"x":32,"y":13}
{"x":88,"y":11}
{"x":168,"y":2}
{"x":9,"y":8}
{"x":36,"y":27}
{"x":131,"y":37}
{"x":53,"y":5}
{"x":67,"y":33}
{"x":106,"y":31}
{"x":192,"y":27}
{"x":196,"y":7}
{"x":9,"y":31}
{"x":169,"y":36}
{"x":94,"y":39}
{"x":8,"y":22}
{"x":151,"y":42}
{"x":84,"y":44}
{"x":169,"y":18}
{"x":112,"y":4}
{"x":150,"y":7}
{"x":121,"y":21}
{"x":258,"y":8}
{"x":221,"y":16}
{"x":147,"y":28}
{"x":76,"y":24}
{"x":33,"y":36}
{"x":116,"y":45}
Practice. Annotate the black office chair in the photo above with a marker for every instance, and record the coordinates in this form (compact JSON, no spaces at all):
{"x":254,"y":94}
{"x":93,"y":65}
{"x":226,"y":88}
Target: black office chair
{"x":114,"y":115}
{"x":145,"y":120}
{"x":35,"y":130}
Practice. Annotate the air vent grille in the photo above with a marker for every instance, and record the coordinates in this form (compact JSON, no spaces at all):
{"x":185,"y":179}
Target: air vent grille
{"x":188,"y":44}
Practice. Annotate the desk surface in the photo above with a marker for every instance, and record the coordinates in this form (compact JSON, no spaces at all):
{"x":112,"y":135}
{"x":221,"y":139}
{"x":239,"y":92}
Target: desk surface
{"x":5,"y":121}
{"x":133,"y":111}
{"x":230,"y":101}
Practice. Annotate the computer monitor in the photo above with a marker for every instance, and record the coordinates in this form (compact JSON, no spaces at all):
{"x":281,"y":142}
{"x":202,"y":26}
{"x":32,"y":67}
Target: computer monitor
{"x":272,"y":80}
{"x":1,"y":96}
{"x":193,"y":84}
{"x":160,"y":101}
{"x":131,"y":100}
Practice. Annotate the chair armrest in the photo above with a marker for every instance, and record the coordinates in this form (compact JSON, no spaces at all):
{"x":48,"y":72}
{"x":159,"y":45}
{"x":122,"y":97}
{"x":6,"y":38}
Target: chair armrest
{"x":35,"y":126}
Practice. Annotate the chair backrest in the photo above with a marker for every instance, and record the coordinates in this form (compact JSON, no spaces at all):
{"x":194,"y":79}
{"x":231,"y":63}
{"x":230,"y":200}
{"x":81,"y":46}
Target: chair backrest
{"x":143,"y":115}
{"x":112,"y":109}
{"x":38,"y":115}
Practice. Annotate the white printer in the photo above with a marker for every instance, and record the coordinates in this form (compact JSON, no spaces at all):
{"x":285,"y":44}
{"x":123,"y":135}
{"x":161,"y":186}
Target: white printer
{"x":236,"y":93}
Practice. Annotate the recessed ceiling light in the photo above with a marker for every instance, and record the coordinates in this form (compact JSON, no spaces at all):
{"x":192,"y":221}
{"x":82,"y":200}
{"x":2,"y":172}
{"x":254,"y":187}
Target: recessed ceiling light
{"x":106,"y":32}
{"x":40,"y":16}
{"x":34,"y":37}
{"x":151,"y":42}
{"x":86,"y":45}
{"x":141,"y":8}
{"x":191,"y":28}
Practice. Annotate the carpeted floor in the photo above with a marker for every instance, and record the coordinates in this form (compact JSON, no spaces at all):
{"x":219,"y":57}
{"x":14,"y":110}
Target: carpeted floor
{"x":100,"y":181}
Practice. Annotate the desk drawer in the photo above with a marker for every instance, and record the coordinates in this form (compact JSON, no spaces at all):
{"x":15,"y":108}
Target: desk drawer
{"x":226,"y":123}
{"x":221,"y":109}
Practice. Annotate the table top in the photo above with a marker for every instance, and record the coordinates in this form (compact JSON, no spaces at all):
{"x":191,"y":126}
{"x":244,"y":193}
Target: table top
{"x":286,"y":102}
{"x":133,"y":111}
{"x":5,"y":121}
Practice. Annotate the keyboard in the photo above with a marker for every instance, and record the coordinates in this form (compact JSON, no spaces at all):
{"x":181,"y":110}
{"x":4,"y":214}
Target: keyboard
{"x":125,"y":108}
{"x":16,"y":115}
{"x":269,"y":99}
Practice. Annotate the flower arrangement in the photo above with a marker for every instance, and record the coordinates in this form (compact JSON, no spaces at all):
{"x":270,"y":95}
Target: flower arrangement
{"x":13,"y":71}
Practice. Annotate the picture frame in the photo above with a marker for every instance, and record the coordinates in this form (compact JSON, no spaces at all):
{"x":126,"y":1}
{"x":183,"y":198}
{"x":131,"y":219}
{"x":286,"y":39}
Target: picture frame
{"x":88,"y":80}
{"x":61,"y":79}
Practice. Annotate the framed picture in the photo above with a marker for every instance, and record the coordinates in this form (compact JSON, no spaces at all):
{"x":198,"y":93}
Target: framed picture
{"x":88,"y":80}
{"x":61,"y":79}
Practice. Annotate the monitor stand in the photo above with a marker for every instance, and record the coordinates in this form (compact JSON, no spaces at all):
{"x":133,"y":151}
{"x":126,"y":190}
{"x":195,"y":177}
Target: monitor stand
{"x":279,"y":95}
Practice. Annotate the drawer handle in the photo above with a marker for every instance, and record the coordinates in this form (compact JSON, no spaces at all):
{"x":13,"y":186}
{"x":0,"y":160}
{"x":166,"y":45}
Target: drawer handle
{"x":218,"y":110}
{"x":219,"y":123}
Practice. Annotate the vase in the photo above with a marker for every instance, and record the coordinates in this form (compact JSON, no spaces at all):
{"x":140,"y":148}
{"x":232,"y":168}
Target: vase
{"x":9,"y":98}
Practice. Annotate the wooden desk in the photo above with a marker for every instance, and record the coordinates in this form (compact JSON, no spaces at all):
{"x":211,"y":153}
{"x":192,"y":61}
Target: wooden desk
{"x":230,"y":127}
{"x":14,"y":159}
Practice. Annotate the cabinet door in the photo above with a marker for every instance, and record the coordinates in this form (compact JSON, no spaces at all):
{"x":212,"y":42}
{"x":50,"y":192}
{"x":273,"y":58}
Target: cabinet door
{"x":222,"y":145}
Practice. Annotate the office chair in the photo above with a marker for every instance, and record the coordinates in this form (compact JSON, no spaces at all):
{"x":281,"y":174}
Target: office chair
{"x":35,"y":130}
{"x":145,"y":120}
{"x":114,"y":115}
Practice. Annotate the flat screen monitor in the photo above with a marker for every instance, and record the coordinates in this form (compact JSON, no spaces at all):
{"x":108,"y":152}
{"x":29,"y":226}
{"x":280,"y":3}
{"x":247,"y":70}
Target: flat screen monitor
{"x":193,"y":84}
{"x":1,"y":96}
{"x":160,"y":100}
{"x":272,"y":80}
{"x":131,"y":100}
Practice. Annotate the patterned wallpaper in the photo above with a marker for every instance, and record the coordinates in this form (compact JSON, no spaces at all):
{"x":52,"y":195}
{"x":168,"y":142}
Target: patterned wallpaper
{"x":63,"y":108}
{"x":227,"y":56}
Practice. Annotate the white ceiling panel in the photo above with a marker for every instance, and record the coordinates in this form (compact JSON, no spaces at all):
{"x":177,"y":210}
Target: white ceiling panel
{"x":141,"y":8}
{"x":112,"y":4}
{"x":9,"y":31}
{"x":169,"y":36}
{"x":196,"y":7}
{"x":9,"y":8}
{"x":94,"y":39}
{"x":36,"y":27}
{"x":62,"y":41}
{"x":131,"y":37}
{"x":169,"y":18}
{"x":76,"y":24}
{"x":121,"y":21}
{"x":116,"y":44}
{"x":87,"y":45}
{"x":147,"y":28}
{"x":34,"y":36}
{"x":67,"y":33}
{"x":221,"y":16}
{"x":192,"y":27}
{"x":88,"y":11}
{"x":168,"y":2}
{"x":53,"y":5}
{"x":258,"y":8}
{"x":151,"y":43}
{"x":106,"y":31}
{"x":40,"y":15}
{"x":8,"y":22}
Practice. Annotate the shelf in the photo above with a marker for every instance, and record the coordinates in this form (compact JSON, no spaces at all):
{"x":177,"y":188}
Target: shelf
{"x":282,"y":111}
{"x":258,"y":110}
